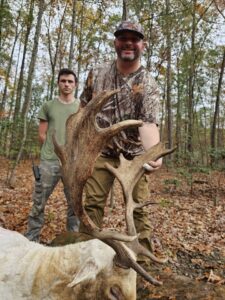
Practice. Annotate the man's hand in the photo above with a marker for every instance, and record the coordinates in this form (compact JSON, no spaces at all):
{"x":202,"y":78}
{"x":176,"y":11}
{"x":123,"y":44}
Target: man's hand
{"x":152,"y":165}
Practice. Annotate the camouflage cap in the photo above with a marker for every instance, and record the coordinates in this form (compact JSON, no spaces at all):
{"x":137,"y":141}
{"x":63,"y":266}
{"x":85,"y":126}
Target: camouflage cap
{"x":129,"y":26}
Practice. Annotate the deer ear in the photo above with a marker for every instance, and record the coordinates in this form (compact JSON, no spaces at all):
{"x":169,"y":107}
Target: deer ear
{"x":88,"y":271}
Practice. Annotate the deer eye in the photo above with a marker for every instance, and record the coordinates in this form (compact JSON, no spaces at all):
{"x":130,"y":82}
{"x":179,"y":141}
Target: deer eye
{"x":116,"y":293}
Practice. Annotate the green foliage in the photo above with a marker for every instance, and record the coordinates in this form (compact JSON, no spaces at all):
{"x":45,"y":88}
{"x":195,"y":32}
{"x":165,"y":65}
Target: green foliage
{"x":5,"y":15}
{"x":217,"y":154}
{"x":171,"y":185}
{"x":4,"y":58}
{"x":165,"y":203}
{"x":186,"y":174}
{"x":218,"y":158}
{"x":172,"y":181}
{"x":201,"y":169}
{"x":10,"y":143}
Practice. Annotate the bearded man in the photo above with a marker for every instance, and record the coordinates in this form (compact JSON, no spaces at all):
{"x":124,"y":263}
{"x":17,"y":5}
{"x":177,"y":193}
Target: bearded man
{"x":138,"y":99}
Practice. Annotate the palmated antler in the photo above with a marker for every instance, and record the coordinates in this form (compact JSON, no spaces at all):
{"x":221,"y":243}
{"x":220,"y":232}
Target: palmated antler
{"x":128,"y":173}
{"x":84,"y":142}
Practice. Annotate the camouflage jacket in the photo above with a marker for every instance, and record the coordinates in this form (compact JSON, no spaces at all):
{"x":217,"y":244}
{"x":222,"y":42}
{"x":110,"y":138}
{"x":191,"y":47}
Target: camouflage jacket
{"x":137,"y":100}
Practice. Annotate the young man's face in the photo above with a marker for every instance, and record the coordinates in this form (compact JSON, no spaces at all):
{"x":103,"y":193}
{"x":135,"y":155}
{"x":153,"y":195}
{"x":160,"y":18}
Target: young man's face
{"x":66,"y":84}
{"x":129,"y":46}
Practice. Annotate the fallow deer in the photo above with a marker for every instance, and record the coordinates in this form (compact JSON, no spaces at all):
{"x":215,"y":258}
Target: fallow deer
{"x":102,"y":268}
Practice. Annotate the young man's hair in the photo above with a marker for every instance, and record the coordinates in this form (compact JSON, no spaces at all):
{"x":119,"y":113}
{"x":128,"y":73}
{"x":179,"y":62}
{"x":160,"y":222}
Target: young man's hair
{"x":66,"y":71}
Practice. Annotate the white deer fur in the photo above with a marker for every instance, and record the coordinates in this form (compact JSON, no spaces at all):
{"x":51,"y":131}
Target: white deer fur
{"x":82,"y":271}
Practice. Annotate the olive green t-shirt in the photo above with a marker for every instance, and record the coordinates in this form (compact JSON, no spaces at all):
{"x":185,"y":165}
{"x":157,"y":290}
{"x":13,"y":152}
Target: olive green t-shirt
{"x":55,"y":113}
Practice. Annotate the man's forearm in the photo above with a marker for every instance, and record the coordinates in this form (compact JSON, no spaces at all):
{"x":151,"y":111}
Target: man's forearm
{"x":149,"y":135}
{"x":42,"y":131}
{"x":42,"y":138}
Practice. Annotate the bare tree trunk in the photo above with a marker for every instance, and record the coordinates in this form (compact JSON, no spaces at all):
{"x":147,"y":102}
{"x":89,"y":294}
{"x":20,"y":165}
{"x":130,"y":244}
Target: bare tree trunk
{"x":71,"y":55}
{"x":168,"y":74}
{"x":216,"y":113}
{"x":191,"y":81}
{"x":80,"y":45}
{"x":162,"y":121}
{"x":125,"y":15}
{"x":3,"y":101}
{"x":150,"y":36}
{"x":3,"y":126}
{"x":7,"y":131}
{"x":21,"y":79}
{"x":178,"y":114}
{"x":28,"y":92}
{"x":53,"y":59}
{"x":1,"y":17}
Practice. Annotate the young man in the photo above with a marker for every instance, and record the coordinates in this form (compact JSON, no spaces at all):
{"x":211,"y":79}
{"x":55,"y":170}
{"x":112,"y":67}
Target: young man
{"x":138,"y":99}
{"x":53,"y":115}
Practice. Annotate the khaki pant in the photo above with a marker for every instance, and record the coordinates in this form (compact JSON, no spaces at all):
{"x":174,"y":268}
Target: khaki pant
{"x":97,"y":189}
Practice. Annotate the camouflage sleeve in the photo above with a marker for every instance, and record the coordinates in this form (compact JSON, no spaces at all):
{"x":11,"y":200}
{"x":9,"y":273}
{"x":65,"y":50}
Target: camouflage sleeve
{"x":87,"y":92}
{"x":150,"y":105}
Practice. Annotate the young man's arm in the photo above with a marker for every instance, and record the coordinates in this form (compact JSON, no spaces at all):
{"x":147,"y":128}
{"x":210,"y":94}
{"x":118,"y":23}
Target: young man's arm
{"x":149,"y":135}
{"x":42,"y":130}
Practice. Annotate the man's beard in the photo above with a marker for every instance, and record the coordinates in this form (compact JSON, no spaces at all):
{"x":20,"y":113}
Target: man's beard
{"x":130,"y":57}
{"x":127,"y":57}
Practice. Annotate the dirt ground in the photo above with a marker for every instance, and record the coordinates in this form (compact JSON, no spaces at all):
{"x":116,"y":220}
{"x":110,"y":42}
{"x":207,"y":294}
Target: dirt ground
{"x":187,"y":215}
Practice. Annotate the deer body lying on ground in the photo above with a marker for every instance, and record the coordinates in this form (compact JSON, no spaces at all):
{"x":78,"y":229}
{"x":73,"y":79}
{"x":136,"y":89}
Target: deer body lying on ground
{"x":97,"y":269}
{"x":82,"y":271}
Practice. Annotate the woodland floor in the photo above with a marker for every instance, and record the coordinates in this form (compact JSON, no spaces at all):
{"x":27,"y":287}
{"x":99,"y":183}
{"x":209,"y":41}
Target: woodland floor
{"x":189,"y":219}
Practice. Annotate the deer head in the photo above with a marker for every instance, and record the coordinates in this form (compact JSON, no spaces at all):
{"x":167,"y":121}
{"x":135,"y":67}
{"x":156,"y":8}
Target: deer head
{"x":84,"y":142}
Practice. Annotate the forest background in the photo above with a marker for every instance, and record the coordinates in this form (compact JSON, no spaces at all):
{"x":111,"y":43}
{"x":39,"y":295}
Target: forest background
{"x":185,"y":53}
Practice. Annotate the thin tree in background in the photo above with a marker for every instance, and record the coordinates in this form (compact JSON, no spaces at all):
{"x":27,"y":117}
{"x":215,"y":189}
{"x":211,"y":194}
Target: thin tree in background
{"x":4,"y":96}
{"x":191,"y":80}
{"x":217,"y":105}
{"x":220,"y":5}
{"x":20,"y":85}
{"x":149,"y":36}
{"x":168,"y":74}
{"x":80,"y":42}
{"x":71,"y":54}
{"x":54,"y":55}
{"x":125,"y":14}
{"x":1,"y":19}
{"x":6,"y":133}
{"x":178,"y":111}
{"x":6,"y":111}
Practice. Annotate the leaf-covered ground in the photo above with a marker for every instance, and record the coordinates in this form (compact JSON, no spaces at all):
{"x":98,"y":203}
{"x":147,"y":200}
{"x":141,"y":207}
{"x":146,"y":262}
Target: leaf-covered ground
{"x":187,"y":215}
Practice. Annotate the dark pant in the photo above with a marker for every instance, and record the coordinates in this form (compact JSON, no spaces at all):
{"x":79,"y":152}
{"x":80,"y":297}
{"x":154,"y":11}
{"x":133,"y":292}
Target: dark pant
{"x":50,"y":176}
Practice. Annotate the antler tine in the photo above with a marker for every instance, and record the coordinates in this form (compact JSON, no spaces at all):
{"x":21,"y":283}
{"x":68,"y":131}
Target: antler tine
{"x":128,"y":173}
{"x":125,"y":260}
{"x":84,"y":142}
